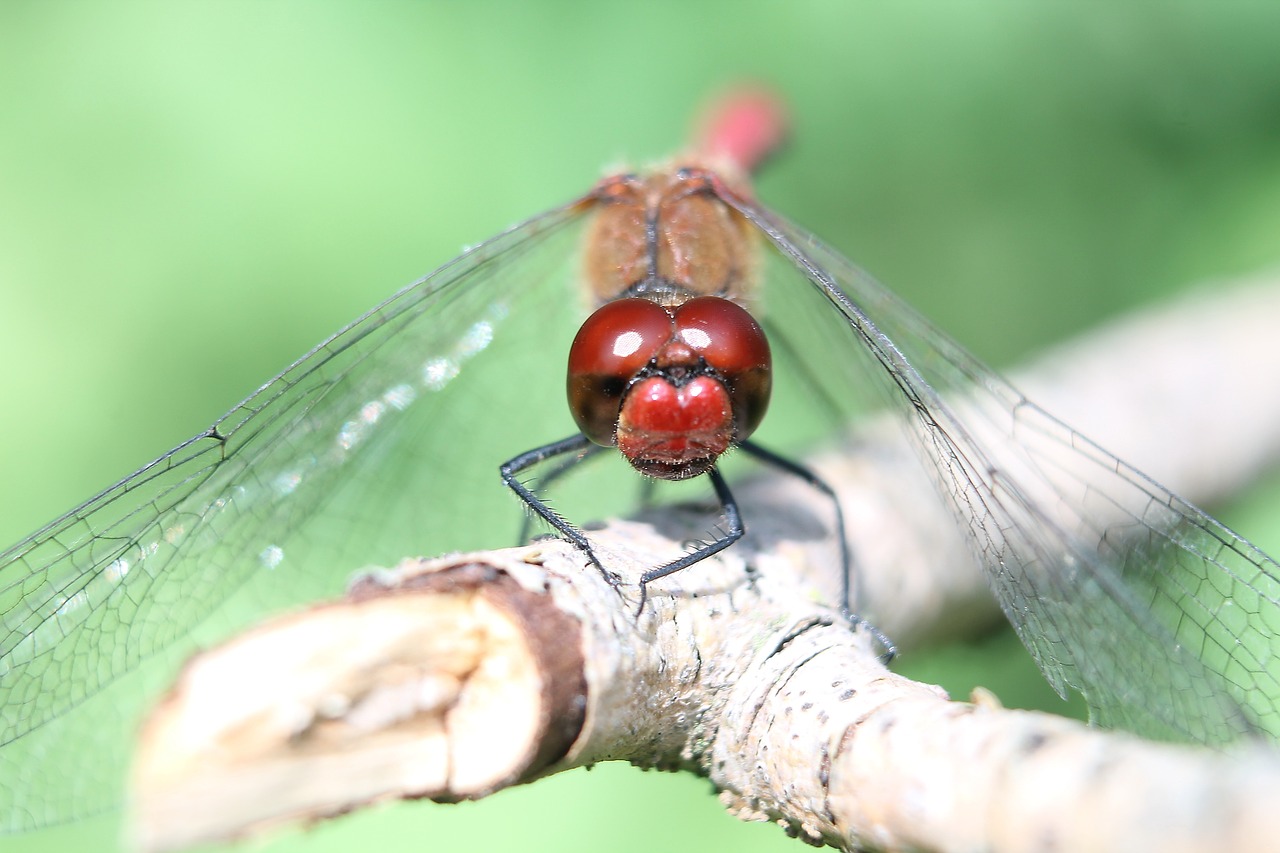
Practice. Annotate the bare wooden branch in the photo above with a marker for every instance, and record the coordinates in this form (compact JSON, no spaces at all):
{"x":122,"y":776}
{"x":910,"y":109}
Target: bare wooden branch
{"x":455,"y":677}
{"x":1184,"y":391}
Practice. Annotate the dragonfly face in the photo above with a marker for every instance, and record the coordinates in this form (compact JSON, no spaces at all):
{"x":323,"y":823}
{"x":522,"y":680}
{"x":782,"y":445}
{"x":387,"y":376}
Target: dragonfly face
{"x":669,"y":369}
{"x":672,"y":388}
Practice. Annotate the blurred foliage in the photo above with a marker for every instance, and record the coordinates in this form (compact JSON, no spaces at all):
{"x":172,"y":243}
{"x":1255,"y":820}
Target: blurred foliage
{"x":192,"y":194}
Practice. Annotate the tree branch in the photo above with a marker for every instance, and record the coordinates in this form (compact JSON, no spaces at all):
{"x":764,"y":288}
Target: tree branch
{"x":456,"y":677}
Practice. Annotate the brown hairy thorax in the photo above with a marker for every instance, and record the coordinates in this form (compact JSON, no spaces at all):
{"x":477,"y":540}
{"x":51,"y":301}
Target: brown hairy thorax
{"x":668,"y":236}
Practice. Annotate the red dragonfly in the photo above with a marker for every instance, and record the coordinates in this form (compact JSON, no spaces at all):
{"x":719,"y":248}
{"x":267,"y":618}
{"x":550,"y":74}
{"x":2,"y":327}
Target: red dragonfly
{"x":381,"y":442}
{"x":671,"y":368}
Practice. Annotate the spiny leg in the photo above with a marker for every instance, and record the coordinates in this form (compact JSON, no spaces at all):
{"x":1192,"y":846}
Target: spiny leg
{"x":729,"y":506}
{"x":547,"y":479}
{"x":509,"y":469}
{"x":846,"y":559}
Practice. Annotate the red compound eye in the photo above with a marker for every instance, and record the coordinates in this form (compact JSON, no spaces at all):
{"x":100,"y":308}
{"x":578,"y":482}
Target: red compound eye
{"x":734,"y":345}
{"x":612,"y":346}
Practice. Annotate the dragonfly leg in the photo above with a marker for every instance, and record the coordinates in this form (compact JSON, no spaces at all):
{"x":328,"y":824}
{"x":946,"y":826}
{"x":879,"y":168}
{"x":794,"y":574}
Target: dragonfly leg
{"x":578,"y":444}
{"x":547,"y":479}
{"x":889,"y":651}
{"x":729,"y":506}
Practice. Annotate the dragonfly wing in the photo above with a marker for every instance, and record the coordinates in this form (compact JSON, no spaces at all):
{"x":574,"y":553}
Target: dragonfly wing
{"x":352,"y":456}
{"x":1162,"y":618}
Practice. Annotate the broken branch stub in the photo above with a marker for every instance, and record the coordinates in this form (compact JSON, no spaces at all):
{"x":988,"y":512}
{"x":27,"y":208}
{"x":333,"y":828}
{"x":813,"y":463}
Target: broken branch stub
{"x":452,"y":684}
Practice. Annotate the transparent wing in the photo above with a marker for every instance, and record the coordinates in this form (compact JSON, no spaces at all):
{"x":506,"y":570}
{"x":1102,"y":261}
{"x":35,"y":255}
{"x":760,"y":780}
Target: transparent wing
{"x":370,"y":448}
{"x":1163,"y":619}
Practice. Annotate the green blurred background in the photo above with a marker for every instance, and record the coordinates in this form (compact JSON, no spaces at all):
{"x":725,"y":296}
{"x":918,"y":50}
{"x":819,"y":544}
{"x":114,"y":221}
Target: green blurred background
{"x":193,"y":194}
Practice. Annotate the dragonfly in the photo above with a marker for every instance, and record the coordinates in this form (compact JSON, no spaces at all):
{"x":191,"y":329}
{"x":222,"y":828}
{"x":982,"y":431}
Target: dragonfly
{"x":383,"y":441}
